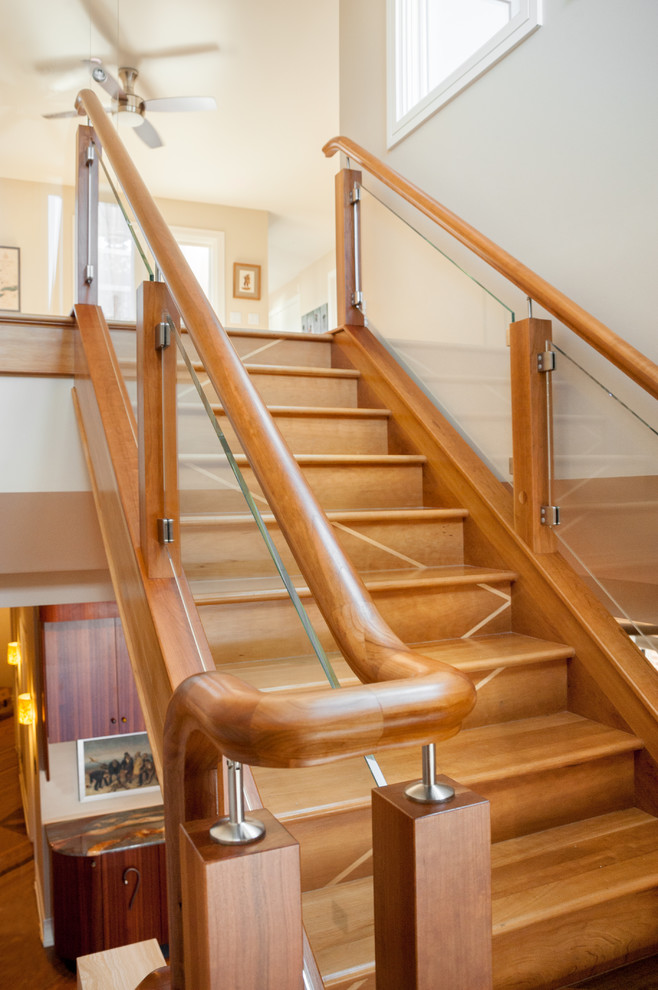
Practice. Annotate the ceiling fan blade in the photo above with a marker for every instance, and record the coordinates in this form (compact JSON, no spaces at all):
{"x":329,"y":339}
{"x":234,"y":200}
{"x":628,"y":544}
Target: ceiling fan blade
{"x":148,"y":134}
{"x":71,"y":113}
{"x":181,"y":51}
{"x":174,"y":104}
{"x":104,"y":78}
{"x":57,"y":116}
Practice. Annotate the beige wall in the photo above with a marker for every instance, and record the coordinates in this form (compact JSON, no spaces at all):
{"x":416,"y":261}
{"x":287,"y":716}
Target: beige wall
{"x":312,"y":287}
{"x":24,"y":224}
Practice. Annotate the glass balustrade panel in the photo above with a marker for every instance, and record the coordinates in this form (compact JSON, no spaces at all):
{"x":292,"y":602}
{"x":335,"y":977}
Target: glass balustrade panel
{"x":124,"y":261}
{"x":605,"y":482}
{"x":444,"y":327}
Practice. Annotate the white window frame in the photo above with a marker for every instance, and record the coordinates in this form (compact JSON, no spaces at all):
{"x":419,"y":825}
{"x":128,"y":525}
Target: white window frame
{"x":413,"y":75}
{"x":215,"y":240}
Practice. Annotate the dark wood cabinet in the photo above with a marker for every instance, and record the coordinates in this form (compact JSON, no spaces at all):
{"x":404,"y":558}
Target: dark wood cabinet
{"x":109,"y":898}
{"x":76,"y":884}
{"x":90,"y":689}
{"x":134,"y":905}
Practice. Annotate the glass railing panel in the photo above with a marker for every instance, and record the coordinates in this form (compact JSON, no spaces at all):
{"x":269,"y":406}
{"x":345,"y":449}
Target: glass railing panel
{"x":239,"y":567}
{"x":447,"y":329}
{"x":605,"y":482}
{"x":125,"y":260}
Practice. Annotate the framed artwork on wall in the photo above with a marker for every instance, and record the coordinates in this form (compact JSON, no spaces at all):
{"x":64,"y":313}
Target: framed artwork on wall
{"x":10,"y":279}
{"x":246,"y":281}
{"x":110,"y":766}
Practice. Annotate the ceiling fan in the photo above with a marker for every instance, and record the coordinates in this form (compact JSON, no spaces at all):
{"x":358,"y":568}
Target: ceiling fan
{"x":127,"y":102}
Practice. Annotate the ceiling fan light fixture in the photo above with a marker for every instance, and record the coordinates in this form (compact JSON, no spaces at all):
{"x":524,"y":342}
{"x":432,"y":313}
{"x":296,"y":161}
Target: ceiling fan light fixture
{"x":130,"y":115}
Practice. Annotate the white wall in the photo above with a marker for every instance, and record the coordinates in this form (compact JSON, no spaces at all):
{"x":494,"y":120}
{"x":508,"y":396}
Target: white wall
{"x":552,"y":153}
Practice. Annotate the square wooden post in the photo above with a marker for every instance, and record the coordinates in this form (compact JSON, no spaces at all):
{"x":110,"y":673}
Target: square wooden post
{"x":531,"y":436}
{"x":157,"y":446}
{"x":348,"y":252}
{"x":432,"y":874}
{"x":242,"y":910}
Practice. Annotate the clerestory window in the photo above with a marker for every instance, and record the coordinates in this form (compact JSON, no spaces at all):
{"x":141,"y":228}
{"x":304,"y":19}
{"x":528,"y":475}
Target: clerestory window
{"x":438,"y":47}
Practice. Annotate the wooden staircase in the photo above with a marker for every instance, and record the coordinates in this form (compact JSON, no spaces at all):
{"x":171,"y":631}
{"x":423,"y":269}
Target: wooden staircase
{"x":575,"y":850}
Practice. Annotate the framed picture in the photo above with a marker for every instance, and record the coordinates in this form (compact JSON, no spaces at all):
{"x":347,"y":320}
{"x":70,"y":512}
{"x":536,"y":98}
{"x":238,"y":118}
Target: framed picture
{"x":246,"y":281}
{"x":112,"y":765}
{"x":10,"y":279}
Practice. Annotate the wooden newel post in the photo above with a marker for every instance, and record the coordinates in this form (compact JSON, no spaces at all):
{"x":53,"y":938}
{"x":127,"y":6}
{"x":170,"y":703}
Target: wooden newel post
{"x":86,"y":216}
{"x":432,"y":875}
{"x":348,"y":250}
{"x":531,"y":433}
{"x":242,"y":916}
{"x":159,"y":512}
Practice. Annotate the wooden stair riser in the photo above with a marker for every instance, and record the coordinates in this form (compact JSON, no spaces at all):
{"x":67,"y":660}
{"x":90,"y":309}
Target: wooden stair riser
{"x":309,"y":434}
{"x":506,"y":694}
{"x":303,"y":353}
{"x":546,"y":799}
{"x":228,"y":548}
{"x":295,"y":390}
{"x":261,"y":629}
{"x":320,"y":387}
{"x":335,"y":485}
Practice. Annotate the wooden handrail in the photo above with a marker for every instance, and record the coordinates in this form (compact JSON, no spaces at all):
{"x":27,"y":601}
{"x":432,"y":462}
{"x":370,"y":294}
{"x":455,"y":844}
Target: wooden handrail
{"x":619,"y":352}
{"x":370,"y":647}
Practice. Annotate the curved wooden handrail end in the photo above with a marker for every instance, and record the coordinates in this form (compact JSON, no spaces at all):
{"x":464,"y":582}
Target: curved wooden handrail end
{"x":214,"y":713}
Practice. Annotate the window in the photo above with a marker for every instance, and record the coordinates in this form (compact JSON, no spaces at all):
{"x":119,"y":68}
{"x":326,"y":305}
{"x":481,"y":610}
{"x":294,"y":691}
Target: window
{"x":116,"y":264}
{"x":204,"y":253}
{"x":438,"y":47}
{"x":120,"y":270}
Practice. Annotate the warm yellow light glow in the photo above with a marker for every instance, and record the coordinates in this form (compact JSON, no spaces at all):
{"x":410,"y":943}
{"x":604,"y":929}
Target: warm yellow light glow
{"x":13,"y":654}
{"x":25,"y":709}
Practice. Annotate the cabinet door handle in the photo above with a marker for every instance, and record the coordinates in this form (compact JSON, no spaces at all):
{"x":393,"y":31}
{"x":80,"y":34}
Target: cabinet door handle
{"x":138,"y":878}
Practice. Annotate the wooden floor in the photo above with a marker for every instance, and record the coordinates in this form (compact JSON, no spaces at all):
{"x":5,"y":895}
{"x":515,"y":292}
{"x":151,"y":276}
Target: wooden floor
{"x":26,"y":964}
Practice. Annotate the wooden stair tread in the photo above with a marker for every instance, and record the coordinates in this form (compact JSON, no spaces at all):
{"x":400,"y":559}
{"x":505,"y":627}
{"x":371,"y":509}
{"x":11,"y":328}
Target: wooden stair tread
{"x":280,"y":335}
{"x":471,"y":655}
{"x":328,"y":412}
{"x":299,"y":371}
{"x":515,"y":748}
{"x":501,"y":649}
{"x":474,"y":757}
{"x":213,"y":591}
{"x":344,"y":516}
{"x":329,"y":460}
{"x":572,"y":867}
{"x":339,"y":923}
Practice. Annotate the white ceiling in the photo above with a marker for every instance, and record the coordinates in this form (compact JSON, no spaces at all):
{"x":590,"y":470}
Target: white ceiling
{"x":272,"y":66}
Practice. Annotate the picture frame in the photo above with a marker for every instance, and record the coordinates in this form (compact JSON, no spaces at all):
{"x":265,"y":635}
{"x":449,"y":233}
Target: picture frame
{"x":246,"y":281}
{"x":111,"y":766}
{"x":10,"y":279}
